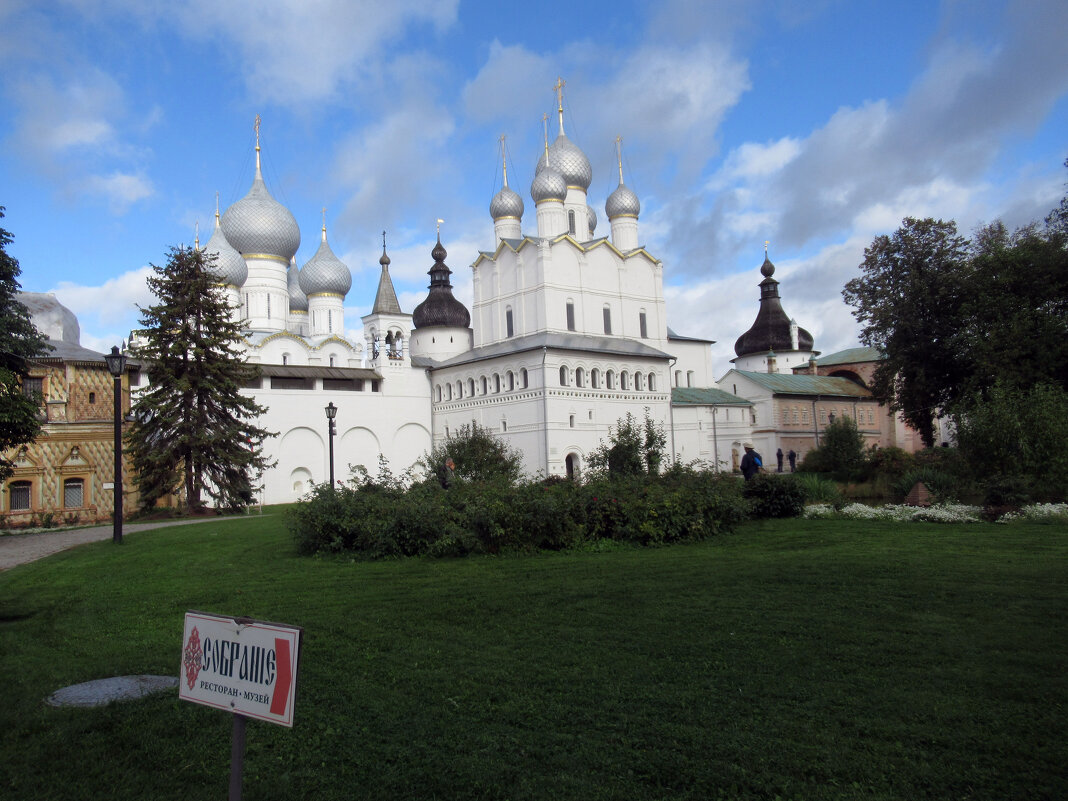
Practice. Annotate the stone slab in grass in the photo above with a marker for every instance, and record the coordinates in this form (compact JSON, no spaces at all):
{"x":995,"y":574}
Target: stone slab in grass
{"x":117,"y":688}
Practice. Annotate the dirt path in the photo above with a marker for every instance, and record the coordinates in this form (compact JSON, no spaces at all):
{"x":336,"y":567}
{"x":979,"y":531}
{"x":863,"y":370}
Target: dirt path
{"x":18,"y":549}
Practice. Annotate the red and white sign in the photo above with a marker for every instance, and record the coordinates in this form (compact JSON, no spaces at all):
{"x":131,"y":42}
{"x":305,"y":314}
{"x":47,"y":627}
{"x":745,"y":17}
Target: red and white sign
{"x":240,"y":665}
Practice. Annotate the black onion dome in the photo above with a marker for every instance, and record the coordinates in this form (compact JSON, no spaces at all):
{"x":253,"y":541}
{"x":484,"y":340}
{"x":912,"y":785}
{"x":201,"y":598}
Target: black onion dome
{"x":771,"y":329}
{"x":440,"y":307}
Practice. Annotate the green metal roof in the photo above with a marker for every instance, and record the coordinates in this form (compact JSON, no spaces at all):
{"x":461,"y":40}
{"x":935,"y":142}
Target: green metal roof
{"x":705,"y":396}
{"x":851,"y":356}
{"x":790,"y":384}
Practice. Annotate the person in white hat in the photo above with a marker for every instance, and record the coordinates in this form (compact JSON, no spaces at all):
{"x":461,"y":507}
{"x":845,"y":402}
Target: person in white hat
{"x":751,"y":462}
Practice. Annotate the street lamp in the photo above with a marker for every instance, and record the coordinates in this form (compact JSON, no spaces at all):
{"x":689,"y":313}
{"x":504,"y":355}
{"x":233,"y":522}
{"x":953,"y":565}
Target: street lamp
{"x":116,"y":364}
{"x":331,"y":413}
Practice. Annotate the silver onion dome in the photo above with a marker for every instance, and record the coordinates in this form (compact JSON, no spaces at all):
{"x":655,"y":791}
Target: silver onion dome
{"x":506,"y":203}
{"x":229,"y":266}
{"x":298,"y":301}
{"x":325,"y":273}
{"x":260,"y":224}
{"x":548,"y":184}
{"x":591,"y":219}
{"x":569,"y":160}
{"x":622,"y":203}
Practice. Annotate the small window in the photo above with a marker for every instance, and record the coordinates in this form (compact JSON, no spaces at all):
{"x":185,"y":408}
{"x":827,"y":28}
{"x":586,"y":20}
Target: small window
{"x":610,"y":380}
{"x":331,"y":361}
{"x":448,"y":392}
{"x":92,"y":397}
{"x":73,"y":493}
{"x":689,"y":378}
{"x":135,"y":378}
{"x":19,"y":492}
{"x":563,"y":375}
{"x":511,"y":381}
{"x":639,"y":384}
{"x":595,"y":378}
{"x":624,"y":381}
{"x":438,"y":392}
{"x":504,"y":426}
{"x":523,"y":378}
{"x":496,"y":383}
{"x":678,"y":378}
{"x":471,"y":387}
{"x":485,"y":386}
{"x":572,"y":421}
{"x":285,"y":359}
{"x":642,"y":329}
{"x":32,"y":387}
{"x":571,"y":221}
{"x":330,"y":321}
{"x":607,"y":320}
{"x":508,"y":323}
{"x":580,"y":377}
{"x":570,"y":316}
{"x":652,"y":382}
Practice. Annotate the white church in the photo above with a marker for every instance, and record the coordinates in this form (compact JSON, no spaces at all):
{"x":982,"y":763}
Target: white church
{"x":568,"y":333}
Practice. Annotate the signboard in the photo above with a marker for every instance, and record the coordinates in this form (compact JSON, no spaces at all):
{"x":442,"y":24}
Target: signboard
{"x":240,"y":665}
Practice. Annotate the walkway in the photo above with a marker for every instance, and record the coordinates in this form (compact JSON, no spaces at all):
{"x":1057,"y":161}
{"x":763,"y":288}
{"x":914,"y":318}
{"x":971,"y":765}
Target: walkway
{"x":18,"y":549}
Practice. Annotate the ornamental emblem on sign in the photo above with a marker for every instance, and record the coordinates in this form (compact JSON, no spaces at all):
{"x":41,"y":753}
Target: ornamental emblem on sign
{"x":192,"y":658}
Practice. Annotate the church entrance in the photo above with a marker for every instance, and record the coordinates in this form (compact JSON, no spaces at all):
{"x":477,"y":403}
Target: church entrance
{"x":572,"y":465}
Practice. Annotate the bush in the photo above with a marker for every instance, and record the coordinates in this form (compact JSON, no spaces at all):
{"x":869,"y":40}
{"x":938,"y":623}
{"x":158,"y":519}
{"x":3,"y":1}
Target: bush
{"x":381,"y":518}
{"x":818,"y":489}
{"x":942,"y":484}
{"x":774,"y":495}
{"x":476,"y":454}
{"x":632,"y":449}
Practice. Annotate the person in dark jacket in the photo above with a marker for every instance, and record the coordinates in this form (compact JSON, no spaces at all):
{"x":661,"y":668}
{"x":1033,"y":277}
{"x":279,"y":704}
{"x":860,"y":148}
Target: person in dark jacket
{"x":792,"y":456}
{"x":751,"y":462}
{"x":778,"y":457}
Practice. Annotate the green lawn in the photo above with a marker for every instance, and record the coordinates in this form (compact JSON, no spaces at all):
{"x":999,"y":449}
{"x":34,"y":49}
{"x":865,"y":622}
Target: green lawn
{"x":794,"y":659}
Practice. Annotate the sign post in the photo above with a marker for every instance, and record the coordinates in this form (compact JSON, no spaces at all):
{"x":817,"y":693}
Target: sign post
{"x":243,"y":666}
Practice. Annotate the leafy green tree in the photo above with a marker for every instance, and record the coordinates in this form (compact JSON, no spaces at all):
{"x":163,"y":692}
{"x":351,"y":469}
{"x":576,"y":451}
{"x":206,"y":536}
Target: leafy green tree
{"x":19,"y":341}
{"x":632,"y":448}
{"x":473,"y":453}
{"x":194,"y":429}
{"x":908,"y":301}
{"x":1017,"y":437}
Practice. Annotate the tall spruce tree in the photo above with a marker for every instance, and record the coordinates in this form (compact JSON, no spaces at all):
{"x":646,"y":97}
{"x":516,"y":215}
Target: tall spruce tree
{"x":19,"y":341}
{"x":193,"y":428}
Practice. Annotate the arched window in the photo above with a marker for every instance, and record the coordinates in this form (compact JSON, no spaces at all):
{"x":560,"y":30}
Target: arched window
{"x":496,"y":383}
{"x":563,"y":375}
{"x":643,"y":329}
{"x":571,"y":221}
{"x":459,"y":389}
{"x":331,"y":360}
{"x":448,"y":392}
{"x":523,"y":378}
{"x":595,"y":378}
{"x":485,"y":387}
{"x":285,"y":359}
{"x":607,"y":314}
{"x":678,"y":378}
{"x":610,"y":380}
{"x":571,"y":421}
{"x":471,"y":387}
{"x":19,"y":494}
{"x":580,"y":377}
{"x":511,"y":381}
{"x":438,"y":392}
{"x":652,"y":382}
{"x":509,"y":327}
{"x":638,"y":382}
{"x":73,"y":493}
{"x":689,"y":378}
{"x":570,"y":315}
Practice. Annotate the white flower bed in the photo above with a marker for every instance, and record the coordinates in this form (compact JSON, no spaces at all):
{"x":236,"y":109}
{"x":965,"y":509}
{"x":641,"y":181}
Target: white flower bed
{"x":1038,"y":512}
{"x":944,"y":513}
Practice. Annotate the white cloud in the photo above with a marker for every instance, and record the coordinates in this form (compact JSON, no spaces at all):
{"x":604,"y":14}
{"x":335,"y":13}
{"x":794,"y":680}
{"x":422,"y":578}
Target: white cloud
{"x":293,"y":52}
{"x":109,"y":310}
{"x":120,"y":190}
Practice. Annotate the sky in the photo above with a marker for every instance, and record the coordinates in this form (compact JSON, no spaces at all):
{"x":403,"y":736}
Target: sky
{"x":811,"y":125}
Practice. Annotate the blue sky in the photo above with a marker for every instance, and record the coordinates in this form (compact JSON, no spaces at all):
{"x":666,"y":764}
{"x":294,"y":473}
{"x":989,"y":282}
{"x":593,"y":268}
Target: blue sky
{"x":813,"y":125}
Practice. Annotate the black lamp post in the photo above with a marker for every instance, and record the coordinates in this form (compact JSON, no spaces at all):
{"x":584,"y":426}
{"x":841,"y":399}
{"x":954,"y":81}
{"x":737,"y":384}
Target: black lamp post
{"x":331,"y":413}
{"x":116,"y":364}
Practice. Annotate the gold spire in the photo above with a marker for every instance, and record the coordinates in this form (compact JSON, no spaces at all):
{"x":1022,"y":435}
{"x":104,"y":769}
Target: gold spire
{"x":545,"y":126}
{"x":504,"y":161}
{"x":619,"y":157}
{"x":257,"y":126}
{"x":766,"y":243}
{"x":324,"y":223}
{"x":216,"y":209}
{"x":196,"y":236}
{"x":559,"y":88}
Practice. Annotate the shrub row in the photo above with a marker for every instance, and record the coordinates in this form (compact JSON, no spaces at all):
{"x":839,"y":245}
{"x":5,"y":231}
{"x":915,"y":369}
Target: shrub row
{"x":382,"y":519}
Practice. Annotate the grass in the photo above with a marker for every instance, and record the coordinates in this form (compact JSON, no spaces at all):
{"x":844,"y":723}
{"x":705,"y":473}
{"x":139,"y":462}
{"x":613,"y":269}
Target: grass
{"x":794,"y":659}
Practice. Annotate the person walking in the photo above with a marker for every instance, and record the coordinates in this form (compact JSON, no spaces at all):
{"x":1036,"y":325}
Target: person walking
{"x":793,"y":459}
{"x":751,"y":462}
{"x":778,"y":458}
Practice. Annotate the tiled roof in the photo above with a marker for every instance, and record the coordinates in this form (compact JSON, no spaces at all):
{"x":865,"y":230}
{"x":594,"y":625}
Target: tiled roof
{"x":790,"y":384}
{"x":851,"y":356}
{"x":705,"y":396}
